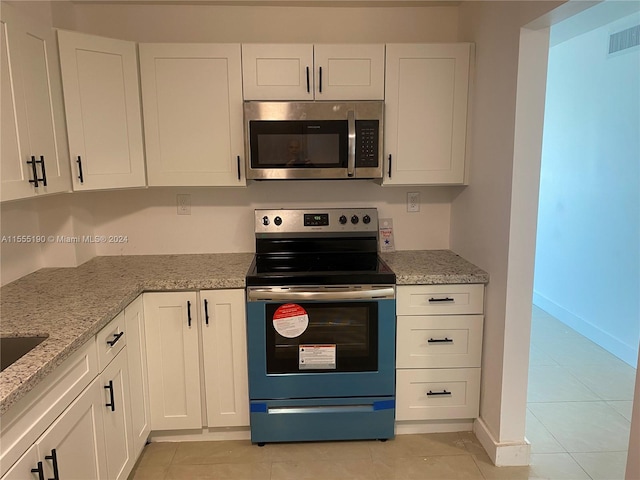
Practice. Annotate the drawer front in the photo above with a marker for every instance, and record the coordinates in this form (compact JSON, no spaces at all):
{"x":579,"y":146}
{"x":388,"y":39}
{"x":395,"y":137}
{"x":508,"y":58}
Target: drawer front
{"x":440,"y":299}
{"x":439,"y":341}
{"x":437,"y":394}
{"x":110,"y":340}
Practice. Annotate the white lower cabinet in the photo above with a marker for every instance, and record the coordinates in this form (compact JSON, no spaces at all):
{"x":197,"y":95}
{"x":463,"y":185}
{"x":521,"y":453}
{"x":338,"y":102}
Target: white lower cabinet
{"x":439,"y":346}
{"x":73,"y":447}
{"x":138,"y":379}
{"x":117,"y":418}
{"x":175,"y":349}
{"x":224,"y":348}
{"x":173,"y":360}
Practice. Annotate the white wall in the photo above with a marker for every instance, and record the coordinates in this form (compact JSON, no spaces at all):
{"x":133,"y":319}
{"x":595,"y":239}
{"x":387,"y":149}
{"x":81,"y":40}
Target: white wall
{"x":588,"y":255}
{"x":481,"y":214}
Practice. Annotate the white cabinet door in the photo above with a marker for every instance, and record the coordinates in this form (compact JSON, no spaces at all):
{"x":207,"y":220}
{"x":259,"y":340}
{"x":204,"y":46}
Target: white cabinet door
{"x":117,"y":417}
{"x":33,"y":132}
{"x":192,"y":97}
{"x":173,"y":360}
{"x":224,"y":341}
{"x":74,"y":443}
{"x":138,"y":379}
{"x":102,"y":101}
{"x":26,"y":466}
{"x":426,"y":95}
{"x":277,"y":71}
{"x":349,"y":72}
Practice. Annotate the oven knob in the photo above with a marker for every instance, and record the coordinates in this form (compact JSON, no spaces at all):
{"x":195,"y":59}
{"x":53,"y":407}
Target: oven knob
{"x":355,"y":219}
{"x":265,"y":220}
{"x":277,"y":221}
{"x":366,"y":219}
{"x":342,"y":219}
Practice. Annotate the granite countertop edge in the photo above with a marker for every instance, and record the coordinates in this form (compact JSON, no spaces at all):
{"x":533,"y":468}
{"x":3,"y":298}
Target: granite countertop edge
{"x":146,"y":274}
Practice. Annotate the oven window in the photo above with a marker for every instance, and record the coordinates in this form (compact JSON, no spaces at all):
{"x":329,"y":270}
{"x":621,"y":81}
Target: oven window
{"x":344,"y":334}
{"x":298,"y":144}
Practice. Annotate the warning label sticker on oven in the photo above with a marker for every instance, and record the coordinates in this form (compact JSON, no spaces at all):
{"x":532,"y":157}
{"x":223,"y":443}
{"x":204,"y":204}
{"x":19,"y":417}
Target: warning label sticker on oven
{"x":318,"y":357}
{"x":290,"y":320}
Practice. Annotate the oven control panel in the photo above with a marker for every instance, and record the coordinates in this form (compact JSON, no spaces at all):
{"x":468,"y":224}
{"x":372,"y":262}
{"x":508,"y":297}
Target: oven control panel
{"x":317,"y":221}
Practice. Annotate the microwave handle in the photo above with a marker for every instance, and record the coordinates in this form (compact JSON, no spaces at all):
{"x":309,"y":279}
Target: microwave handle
{"x":351,"y":158}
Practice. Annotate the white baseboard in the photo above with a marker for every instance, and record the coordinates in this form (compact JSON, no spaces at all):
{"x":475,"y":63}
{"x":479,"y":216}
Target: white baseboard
{"x":511,"y":454}
{"x":204,"y":434}
{"x":433,"y":426}
{"x":594,"y":333}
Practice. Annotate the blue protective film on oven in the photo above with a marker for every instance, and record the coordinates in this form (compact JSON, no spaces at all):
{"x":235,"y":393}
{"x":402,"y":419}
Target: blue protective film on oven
{"x":258,"y":408}
{"x":384,"y":405}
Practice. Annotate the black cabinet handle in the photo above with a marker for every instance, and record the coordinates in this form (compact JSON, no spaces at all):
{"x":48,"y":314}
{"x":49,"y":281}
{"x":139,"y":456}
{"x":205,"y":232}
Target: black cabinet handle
{"x":440,"y":340}
{"x":189,"y":312}
{"x":54,"y":460}
{"x":444,"y":392}
{"x":239,"y":177}
{"x":33,"y":162}
{"x":112,"y":403}
{"x":308,"y":82}
{"x":44,"y":170}
{"x":39,"y":471}
{"x":206,"y":311}
{"x":116,"y":337}
{"x":79,"y":162}
{"x":389,"y":165}
{"x":320,"y":79}
{"x":447,"y":299}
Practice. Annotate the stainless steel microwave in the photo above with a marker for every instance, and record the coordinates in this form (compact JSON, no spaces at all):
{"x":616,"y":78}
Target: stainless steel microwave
{"x":313,"y":140}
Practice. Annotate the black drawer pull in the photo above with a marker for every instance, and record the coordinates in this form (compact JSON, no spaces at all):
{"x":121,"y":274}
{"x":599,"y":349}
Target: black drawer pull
{"x":444,"y":392}
{"x":189,"y":312}
{"x":390,"y":158}
{"x":80,"y":175}
{"x":112,"y":403}
{"x":206,"y":311}
{"x":44,"y":170}
{"x":33,"y":162}
{"x":54,"y":460}
{"x":116,"y":337}
{"x":447,"y":299}
{"x":308,"y":85}
{"x":39,"y":471}
{"x":239,"y":172}
{"x":440,"y":340}
{"x":320,"y":79}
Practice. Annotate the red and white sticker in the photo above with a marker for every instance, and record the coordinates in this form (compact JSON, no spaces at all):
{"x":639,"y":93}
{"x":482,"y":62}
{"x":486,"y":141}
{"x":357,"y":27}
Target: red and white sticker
{"x":290,"y":320}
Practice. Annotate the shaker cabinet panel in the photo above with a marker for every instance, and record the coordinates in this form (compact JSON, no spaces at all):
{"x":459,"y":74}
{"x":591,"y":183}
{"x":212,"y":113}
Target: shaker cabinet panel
{"x":224,"y":341}
{"x":192,"y":98}
{"x":173,"y":358}
{"x":426,"y":95}
{"x":34,"y":149}
{"x":277,"y":71}
{"x":102,"y":100}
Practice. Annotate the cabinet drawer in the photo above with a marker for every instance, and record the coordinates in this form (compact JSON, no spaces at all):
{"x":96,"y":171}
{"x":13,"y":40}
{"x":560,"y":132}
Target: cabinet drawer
{"x":437,"y":394}
{"x":439,"y":299}
{"x":110,"y":340}
{"x":439,"y":341}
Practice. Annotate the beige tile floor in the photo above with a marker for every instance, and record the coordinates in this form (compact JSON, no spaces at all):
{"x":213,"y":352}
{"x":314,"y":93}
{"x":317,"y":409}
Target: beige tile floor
{"x":579,"y":402}
{"x":578,"y":421}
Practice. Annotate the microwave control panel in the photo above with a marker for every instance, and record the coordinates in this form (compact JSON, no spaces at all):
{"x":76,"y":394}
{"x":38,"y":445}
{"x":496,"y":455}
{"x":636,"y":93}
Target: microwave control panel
{"x":367,"y":133}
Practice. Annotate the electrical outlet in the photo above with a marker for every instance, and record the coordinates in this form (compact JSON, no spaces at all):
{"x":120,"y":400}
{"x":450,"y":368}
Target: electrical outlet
{"x":413,"y":202}
{"x":184,"y":204}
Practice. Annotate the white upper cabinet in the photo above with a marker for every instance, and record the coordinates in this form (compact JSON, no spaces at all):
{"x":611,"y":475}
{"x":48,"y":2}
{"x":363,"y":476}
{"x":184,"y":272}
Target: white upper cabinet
{"x":192,"y":100}
{"x":102,"y":100}
{"x":34,"y":150}
{"x":308,"y":72}
{"x":426,"y":95}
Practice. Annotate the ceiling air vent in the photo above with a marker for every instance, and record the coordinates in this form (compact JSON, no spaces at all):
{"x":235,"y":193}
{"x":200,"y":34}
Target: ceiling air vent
{"x":625,"y":39}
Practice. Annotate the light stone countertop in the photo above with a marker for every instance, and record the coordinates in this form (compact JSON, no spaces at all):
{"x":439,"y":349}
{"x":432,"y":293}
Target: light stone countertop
{"x":70,"y":305}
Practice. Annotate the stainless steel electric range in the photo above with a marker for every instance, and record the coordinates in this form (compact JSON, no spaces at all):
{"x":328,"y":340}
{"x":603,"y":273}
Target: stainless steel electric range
{"x":320,"y":327}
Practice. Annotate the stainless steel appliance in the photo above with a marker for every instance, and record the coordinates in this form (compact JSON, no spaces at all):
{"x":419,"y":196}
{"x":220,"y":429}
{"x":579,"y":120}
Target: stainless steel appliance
{"x":320,"y":328}
{"x":313,"y":140}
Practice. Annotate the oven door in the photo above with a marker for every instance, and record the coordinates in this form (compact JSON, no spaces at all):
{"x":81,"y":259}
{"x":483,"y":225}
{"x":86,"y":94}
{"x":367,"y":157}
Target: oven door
{"x":318,"y":342}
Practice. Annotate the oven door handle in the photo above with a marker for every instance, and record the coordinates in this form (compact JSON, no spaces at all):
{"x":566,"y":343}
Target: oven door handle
{"x":258,"y":294}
